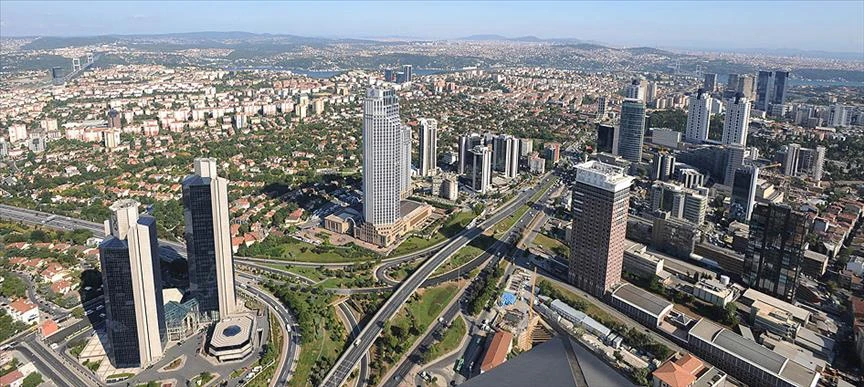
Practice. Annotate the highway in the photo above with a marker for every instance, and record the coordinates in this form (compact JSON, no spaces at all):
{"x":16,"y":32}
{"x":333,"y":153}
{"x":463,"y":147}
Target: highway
{"x":349,"y":359}
{"x":292,"y":340}
{"x":534,"y":216}
{"x":67,"y":223}
{"x":354,"y":329}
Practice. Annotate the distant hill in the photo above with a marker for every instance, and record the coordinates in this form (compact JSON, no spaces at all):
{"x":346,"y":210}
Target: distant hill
{"x":500,"y":38}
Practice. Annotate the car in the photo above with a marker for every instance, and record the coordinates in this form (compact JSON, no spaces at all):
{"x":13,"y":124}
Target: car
{"x":54,"y":346}
{"x":102,"y":315}
{"x":100,"y":306}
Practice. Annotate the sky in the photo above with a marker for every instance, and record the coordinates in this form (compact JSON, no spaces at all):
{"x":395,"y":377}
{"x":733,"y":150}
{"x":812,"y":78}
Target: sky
{"x":807,"y":25}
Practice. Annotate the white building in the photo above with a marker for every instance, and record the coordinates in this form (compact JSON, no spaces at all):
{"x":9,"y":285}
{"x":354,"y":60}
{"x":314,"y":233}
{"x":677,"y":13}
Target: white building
{"x":23,"y":311}
{"x":790,"y":163}
{"x":635,"y":90}
{"x":819,"y":164}
{"x":382,"y":156}
{"x":17,"y":133}
{"x":837,"y":116}
{"x":428,"y":146}
{"x":526,"y":146}
{"x":481,"y":171}
{"x":737,"y":120}
{"x":698,"y":118}
{"x":405,"y":163}
{"x":511,"y":162}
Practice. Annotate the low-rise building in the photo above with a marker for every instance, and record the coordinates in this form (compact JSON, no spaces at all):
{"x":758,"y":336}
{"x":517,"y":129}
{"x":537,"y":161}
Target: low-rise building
{"x":687,"y":371}
{"x":342,"y":222}
{"x":713,"y":291}
{"x":496,"y":353}
{"x":814,"y":264}
{"x":638,"y":261}
{"x":23,"y":311}
{"x":642,"y":306}
{"x":774,"y":320}
{"x":748,"y":361}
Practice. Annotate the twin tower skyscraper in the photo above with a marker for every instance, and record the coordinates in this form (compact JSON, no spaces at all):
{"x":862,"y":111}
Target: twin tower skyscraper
{"x":131,"y":270}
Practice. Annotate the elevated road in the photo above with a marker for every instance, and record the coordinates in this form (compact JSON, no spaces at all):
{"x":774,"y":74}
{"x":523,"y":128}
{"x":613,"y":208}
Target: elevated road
{"x":291,"y":339}
{"x":354,"y":329}
{"x":349,"y":359}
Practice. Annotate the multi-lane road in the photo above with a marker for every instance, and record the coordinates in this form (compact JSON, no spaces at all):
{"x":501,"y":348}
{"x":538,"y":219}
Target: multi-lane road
{"x":354,"y":329}
{"x":349,"y":359}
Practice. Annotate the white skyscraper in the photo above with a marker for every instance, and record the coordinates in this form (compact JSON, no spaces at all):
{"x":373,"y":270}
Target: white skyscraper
{"x":698,"y":117}
{"x":837,"y":116}
{"x":428,"y":146}
{"x":405,"y":162}
{"x":635,"y":90}
{"x":737,"y":120}
{"x":793,"y":156}
{"x":819,"y":164}
{"x":511,"y":163}
{"x":382,"y":156}
{"x":481,"y":170}
{"x":526,"y":146}
{"x":135,"y":323}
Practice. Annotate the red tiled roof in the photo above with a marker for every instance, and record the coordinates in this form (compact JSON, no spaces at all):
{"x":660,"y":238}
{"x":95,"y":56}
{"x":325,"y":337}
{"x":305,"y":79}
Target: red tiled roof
{"x":497,"y":352}
{"x":22,"y":305}
{"x":11,"y":377}
{"x":681,"y":372}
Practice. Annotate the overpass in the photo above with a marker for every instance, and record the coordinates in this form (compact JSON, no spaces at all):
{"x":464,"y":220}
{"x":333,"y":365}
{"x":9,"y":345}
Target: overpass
{"x":349,"y":359}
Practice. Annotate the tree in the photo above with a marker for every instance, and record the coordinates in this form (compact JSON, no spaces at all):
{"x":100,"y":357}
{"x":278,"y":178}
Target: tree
{"x":32,"y":380}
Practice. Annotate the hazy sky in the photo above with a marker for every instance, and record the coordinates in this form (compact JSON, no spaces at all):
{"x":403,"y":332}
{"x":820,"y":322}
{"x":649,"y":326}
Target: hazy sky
{"x":809,"y":25}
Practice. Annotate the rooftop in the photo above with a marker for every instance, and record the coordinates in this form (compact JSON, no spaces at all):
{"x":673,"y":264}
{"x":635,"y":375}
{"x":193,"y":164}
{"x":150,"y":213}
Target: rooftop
{"x":643,"y":300}
{"x":497,"y":351}
{"x":232,"y":331}
{"x":557,"y":363}
{"x":798,"y":313}
{"x":681,"y":372}
{"x":604,"y":176}
{"x":753,"y":353}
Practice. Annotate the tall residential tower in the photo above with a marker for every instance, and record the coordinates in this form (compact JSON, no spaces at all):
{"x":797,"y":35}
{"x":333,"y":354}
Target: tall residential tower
{"x":737,"y":121}
{"x":428,"y":146}
{"x":698,"y":117}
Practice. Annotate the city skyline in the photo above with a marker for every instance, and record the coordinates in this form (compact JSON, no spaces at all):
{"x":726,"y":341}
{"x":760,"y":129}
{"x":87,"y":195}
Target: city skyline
{"x":657,"y":24}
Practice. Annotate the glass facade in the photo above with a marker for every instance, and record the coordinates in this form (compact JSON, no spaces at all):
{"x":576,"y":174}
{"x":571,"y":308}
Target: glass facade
{"x":775,"y":250}
{"x":201,"y":245}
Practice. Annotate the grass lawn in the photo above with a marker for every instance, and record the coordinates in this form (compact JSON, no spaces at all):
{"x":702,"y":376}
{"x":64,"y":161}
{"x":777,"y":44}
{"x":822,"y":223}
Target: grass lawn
{"x":405,"y":270}
{"x":462,"y":256}
{"x":452,"y":337}
{"x":508,"y":222}
{"x":407,"y":325}
{"x":552,"y":245}
{"x":450,"y":227}
{"x":294,"y":250}
{"x":312,"y":273}
{"x":321,"y":346}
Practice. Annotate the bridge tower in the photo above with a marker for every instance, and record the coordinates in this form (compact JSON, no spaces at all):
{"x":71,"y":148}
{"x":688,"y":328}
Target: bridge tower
{"x":76,"y":64}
